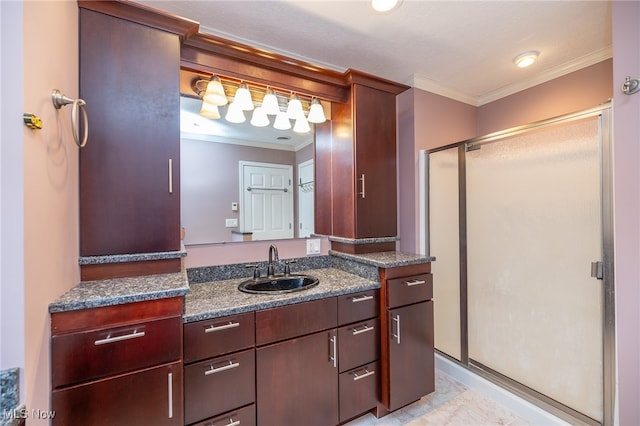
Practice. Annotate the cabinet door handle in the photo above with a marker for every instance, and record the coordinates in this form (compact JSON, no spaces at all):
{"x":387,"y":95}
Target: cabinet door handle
{"x":222,"y":327}
{"x":170,"y":176}
{"x":361,"y":298}
{"x":362,"y":179}
{"x":397,"y":335}
{"x":414,"y":282}
{"x":110,"y":339}
{"x":366,"y":373}
{"x":229,"y":366}
{"x":170,"y":392}
{"x":334,"y":350}
{"x":364,"y":329}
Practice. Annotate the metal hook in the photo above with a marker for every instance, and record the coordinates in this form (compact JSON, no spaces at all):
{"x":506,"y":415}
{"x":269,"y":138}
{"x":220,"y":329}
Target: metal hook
{"x":631,"y":86}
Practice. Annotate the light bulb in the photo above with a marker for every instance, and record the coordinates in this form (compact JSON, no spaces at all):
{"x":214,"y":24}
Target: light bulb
{"x":294,"y":108}
{"x":270,"y":103}
{"x":234,"y":114}
{"x":316,"y":112}
{"x":282,"y":121}
{"x":243,"y":98}
{"x":214,"y":94}
{"x":259,"y":117}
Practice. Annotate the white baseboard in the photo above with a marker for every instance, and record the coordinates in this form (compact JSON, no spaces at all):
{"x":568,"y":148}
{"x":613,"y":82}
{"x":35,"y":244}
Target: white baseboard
{"x":524,"y":409}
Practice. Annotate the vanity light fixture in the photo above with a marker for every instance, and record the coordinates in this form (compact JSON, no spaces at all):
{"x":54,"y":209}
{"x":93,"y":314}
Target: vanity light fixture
{"x":282,"y":121}
{"x":294,"y":108}
{"x":526,"y":59}
{"x":316,"y":112}
{"x":243,"y":98}
{"x":235,"y":114}
{"x":209,"y":111}
{"x":270,"y":103}
{"x":301,"y":125}
{"x":384,"y":5}
{"x":214,"y":93}
{"x":259,"y":117}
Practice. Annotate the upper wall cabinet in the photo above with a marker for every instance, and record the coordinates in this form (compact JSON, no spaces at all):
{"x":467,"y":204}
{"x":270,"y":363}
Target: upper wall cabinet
{"x":129,"y":170}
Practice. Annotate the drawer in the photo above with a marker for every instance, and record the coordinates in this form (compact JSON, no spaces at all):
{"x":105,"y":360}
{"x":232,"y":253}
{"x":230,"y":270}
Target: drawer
{"x":408,"y":290}
{"x":359,"y":390}
{"x":93,"y":354}
{"x":358,"y":344}
{"x":218,"y":385}
{"x":148,"y":397}
{"x":245,"y":416}
{"x":211,"y":338}
{"x":289,"y":321}
{"x":358,"y":306}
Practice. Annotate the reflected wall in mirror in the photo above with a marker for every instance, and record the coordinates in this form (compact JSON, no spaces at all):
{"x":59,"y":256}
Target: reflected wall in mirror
{"x":213,"y":201}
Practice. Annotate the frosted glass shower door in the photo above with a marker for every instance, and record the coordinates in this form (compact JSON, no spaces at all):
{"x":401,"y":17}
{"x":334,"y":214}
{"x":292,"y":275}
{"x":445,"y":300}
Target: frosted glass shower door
{"x":444,"y":244}
{"x":534,"y":226}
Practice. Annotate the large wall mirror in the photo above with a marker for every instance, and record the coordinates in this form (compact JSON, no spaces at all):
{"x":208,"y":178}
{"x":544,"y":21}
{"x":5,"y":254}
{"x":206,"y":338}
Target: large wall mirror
{"x":242,"y":182}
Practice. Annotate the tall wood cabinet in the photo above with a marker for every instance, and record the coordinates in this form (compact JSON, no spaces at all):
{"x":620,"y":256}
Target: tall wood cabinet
{"x":361,"y":145}
{"x":129,"y":169}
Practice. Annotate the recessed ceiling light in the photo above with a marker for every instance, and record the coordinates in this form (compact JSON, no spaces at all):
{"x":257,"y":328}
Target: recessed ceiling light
{"x":525,"y":59}
{"x":384,"y":5}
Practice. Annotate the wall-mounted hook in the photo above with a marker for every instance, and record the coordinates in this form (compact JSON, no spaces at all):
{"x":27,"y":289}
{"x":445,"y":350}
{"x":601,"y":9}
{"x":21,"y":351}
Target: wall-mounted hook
{"x":631,"y":86}
{"x":59,"y":100}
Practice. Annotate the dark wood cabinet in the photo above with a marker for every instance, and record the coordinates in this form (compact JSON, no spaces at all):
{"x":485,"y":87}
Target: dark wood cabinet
{"x":118,"y":364}
{"x":129,"y":169}
{"x":297,"y":381}
{"x":408,"y":371}
{"x":362,"y":177}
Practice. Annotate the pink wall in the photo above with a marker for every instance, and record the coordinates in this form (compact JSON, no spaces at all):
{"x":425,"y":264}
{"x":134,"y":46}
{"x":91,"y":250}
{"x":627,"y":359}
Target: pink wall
{"x":580,"y":90}
{"x":50,"y":182}
{"x":626,"y":135}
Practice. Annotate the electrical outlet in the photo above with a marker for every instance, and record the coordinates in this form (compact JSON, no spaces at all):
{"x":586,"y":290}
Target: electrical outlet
{"x":231,"y":223}
{"x":313,"y":246}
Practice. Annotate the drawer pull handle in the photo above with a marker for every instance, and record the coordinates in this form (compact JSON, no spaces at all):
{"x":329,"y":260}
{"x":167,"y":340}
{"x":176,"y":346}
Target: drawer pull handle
{"x":223,"y":368}
{"x":222,"y":327}
{"x":364,"y":329}
{"x":366,"y":373}
{"x":397,"y":335}
{"x":170,"y":388}
{"x":334,"y":349}
{"x":110,"y":339}
{"x":232,"y":423}
{"x":414,"y":282}
{"x":362,"y":298}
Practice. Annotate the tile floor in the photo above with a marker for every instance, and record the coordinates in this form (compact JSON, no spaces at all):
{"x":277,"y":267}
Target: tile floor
{"x":451,"y":404}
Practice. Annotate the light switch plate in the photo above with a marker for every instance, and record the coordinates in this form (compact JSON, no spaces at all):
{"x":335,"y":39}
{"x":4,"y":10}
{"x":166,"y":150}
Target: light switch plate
{"x":231,"y":223}
{"x":313,"y":246}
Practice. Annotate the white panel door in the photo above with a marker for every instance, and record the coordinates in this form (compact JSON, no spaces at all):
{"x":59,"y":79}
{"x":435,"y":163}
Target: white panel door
{"x":266,"y":194}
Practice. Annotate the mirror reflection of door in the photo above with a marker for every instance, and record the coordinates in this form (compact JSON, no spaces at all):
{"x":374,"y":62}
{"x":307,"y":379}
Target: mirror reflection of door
{"x":305,"y":199}
{"x":267,"y":200}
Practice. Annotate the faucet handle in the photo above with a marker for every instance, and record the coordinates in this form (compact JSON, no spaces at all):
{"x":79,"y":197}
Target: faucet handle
{"x":256,"y":270}
{"x":287,"y":268}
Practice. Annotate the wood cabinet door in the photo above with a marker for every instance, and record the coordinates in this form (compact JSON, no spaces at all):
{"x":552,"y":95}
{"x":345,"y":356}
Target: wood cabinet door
{"x":411,"y":354}
{"x":129,"y":169}
{"x":147,"y":397}
{"x":297,"y":381}
{"x":375,"y":153}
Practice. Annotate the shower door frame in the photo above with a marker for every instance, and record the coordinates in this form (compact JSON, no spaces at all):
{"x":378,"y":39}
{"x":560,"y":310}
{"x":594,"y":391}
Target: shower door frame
{"x":608,"y":284}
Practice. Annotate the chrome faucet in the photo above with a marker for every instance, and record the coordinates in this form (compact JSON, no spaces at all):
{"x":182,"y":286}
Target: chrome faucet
{"x":273,"y":256}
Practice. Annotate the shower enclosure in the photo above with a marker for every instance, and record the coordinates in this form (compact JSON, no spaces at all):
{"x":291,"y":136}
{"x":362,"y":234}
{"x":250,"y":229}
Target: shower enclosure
{"x":520,"y":222}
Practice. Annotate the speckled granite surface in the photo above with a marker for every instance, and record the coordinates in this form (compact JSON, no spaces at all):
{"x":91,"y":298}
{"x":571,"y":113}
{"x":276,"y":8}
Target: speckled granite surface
{"x":10,"y":394}
{"x":220,"y":298}
{"x":387,"y":259}
{"x":93,"y":294}
{"x":363,"y":240}
{"x":119,"y":258}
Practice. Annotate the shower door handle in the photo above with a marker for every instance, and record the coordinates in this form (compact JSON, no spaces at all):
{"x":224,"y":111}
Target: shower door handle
{"x":597,"y":270}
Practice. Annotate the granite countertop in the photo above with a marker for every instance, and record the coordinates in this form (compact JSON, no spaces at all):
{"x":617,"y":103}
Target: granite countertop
{"x":93,"y":294}
{"x":219,"y":298}
{"x":387,"y":259}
